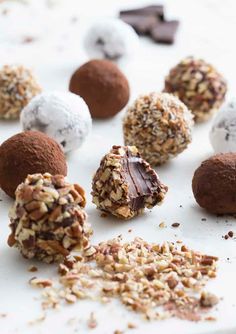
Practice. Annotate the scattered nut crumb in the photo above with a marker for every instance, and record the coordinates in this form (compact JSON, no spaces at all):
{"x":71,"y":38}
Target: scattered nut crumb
{"x":37,"y":320}
{"x":131,"y":325}
{"x":162,"y":225}
{"x":210,"y":318}
{"x":40,"y":282}
{"x":92,"y":322}
{"x":32,"y":269}
{"x":3,"y":315}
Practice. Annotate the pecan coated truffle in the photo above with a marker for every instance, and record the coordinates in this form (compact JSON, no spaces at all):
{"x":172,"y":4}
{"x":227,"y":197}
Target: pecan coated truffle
{"x":17,"y":87}
{"x":103,"y":86}
{"x":159,"y":125}
{"x":199,"y":85}
{"x":214,"y":184}
{"x":47,"y":219}
{"x":125,"y":184}
{"x":26,"y":153}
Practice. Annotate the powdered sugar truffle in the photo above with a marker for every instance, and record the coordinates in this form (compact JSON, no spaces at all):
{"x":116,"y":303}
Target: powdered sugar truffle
{"x":63,"y":116}
{"x":223,"y":132}
{"x":110,"y":39}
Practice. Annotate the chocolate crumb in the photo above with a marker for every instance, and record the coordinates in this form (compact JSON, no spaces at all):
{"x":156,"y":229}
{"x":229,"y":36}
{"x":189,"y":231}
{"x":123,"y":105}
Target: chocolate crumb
{"x":28,"y":39}
{"x":231,"y":234}
{"x":226,"y":237}
{"x":175,"y":224}
{"x":3,"y":315}
{"x":103,"y":215}
{"x":130,"y":230}
{"x":203,"y":219}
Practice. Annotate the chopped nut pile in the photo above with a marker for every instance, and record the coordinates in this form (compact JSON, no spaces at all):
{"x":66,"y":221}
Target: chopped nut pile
{"x":125,"y":184}
{"x":47,"y":219}
{"x":143,"y":276}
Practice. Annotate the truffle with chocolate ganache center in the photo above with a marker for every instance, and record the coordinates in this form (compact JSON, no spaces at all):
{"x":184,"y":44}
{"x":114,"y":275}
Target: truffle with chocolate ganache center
{"x":214,"y":184}
{"x":125,"y":184}
{"x":26,"y":153}
{"x":103,"y":86}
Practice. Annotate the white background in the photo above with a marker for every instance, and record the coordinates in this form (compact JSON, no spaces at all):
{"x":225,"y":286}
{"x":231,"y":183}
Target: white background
{"x":207,"y":30}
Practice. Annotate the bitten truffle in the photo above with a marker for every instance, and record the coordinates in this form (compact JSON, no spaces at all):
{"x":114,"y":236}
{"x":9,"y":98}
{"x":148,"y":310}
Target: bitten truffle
{"x":214,"y":184}
{"x":111,"y":39}
{"x":199,"y":85}
{"x":17,"y":87}
{"x":26,"y":153}
{"x":159,"y":125}
{"x":103,"y":86}
{"x":125,"y":184}
{"x":63,"y":116}
{"x":223,"y":131}
{"x":47,"y":218}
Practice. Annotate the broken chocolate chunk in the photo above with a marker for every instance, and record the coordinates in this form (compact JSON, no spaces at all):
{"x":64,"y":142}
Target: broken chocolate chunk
{"x":156,"y":10}
{"x":164,"y":32}
{"x":142,"y":24}
{"x":125,"y":184}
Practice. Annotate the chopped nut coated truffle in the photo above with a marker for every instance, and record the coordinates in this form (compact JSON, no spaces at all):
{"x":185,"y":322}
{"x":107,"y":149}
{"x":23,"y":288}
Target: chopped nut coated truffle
{"x":47,"y":219}
{"x":159,"y":125}
{"x":17,"y":87}
{"x":199,"y":85}
{"x":125,"y":184}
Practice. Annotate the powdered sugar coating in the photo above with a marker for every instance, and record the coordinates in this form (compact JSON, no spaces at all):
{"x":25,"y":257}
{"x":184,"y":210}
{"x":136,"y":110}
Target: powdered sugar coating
{"x":110,"y":39}
{"x":223,"y":131}
{"x":63,"y":116}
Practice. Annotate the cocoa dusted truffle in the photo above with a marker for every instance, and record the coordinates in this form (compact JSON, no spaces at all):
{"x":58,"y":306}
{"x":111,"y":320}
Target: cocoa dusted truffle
{"x":17,"y":87}
{"x":199,"y":85}
{"x":159,"y":125}
{"x":103,"y":86}
{"x":125,"y":184}
{"x":26,"y":153}
{"x":47,"y":218}
{"x":214,"y":184}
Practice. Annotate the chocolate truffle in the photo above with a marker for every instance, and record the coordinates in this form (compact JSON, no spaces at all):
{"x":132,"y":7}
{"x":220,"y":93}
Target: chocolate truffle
{"x":17,"y":87}
{"x":223,"y":131}
{"x":103,"y":86}
{"x":199,"y":85}
{"x":125,"y":184}
{"x":47,"y":218}
{"x":111,"y":39}
{"x":159,"y":125}
{"x":214,"y":184}
{"x":63,"y":116}
{"x":26,"y":153}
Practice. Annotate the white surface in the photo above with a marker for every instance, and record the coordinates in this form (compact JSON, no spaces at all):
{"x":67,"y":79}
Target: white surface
{"x":206,"y":30}
{"x":63,"y":116}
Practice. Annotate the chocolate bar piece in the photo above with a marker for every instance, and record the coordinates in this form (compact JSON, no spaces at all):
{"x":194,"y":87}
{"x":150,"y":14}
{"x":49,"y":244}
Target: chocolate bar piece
{"x":164,"y":32}
{"x":142,"y":24}
{"x":155,"y":10}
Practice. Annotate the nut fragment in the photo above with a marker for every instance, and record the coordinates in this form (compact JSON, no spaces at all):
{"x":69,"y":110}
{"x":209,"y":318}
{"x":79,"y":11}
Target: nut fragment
{"x":47,"y":219}
{"x":125,"y":184}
